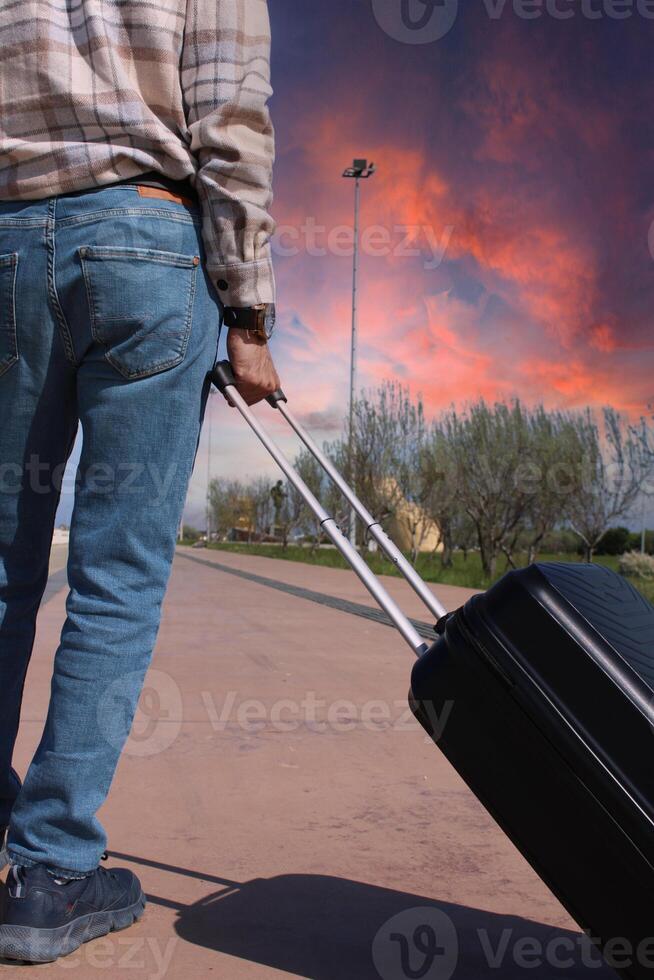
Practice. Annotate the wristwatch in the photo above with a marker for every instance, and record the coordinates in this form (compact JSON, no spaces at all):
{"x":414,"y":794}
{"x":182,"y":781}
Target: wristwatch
{"x":259,"y":320}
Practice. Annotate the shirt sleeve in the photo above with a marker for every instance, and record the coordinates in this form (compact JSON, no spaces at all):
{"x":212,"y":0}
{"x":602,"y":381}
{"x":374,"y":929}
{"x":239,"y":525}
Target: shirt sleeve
{"x":225,"y":77}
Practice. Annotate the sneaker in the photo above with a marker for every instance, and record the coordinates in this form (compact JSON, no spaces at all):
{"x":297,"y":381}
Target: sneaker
{"x":47,"y":917}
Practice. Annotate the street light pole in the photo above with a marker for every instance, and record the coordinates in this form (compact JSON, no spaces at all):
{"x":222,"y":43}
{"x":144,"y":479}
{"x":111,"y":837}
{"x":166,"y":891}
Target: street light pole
{"x":360,"y":170}
{"x":209,"y":441}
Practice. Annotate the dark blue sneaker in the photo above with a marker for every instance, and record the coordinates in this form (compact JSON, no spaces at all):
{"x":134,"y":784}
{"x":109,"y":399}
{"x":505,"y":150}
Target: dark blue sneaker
{"x":46,"y":918}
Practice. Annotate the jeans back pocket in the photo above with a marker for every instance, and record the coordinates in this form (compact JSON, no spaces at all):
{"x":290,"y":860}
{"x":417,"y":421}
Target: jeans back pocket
{"x":140,"y":305}
{"x":8,"y":337}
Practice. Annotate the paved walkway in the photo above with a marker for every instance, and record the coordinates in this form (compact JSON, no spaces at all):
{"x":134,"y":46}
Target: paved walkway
{"x":287,"y":817}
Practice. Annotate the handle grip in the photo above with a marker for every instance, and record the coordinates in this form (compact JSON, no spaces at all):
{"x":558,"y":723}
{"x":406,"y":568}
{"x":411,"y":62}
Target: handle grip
{"x":276,"y":397}
{"x":223,"y":376}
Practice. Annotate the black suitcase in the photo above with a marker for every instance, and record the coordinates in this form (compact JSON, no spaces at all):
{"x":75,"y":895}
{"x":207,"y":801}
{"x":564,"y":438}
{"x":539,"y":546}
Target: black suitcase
{"x":546,"y":683}
{"x":550,"y":682}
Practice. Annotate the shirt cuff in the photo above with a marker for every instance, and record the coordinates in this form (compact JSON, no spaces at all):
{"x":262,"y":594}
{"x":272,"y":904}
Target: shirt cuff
{"x":245,"y":284}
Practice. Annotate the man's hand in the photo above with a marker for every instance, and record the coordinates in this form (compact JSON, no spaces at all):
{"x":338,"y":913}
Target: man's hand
{"x":252,"y":364}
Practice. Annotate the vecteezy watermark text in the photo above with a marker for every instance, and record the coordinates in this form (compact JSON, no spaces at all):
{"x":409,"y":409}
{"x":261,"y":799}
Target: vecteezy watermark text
{"x":129,"y":477}
{"x":157,"y":720}
{"x":423,"y":942}
{"x":122,"y":956}
{"x":426,"y":21}
{"x":378,"y":241}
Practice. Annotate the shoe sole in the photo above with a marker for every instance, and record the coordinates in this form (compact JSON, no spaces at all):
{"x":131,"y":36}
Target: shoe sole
{"x":34,"y":945}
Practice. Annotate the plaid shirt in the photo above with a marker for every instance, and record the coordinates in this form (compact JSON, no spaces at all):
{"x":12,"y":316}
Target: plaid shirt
{"x":92,"y":91}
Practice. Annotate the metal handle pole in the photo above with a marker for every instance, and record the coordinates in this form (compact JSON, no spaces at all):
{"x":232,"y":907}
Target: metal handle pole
{"x":372,"y":526}
{"x":329,"y":526}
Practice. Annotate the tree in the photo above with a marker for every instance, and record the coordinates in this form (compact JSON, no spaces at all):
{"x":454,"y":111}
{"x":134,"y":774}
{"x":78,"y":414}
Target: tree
{"x":334,"y":502}
{"x":310,"y":470}
{"x":488,"y":446}
{"x":441,"y":496}
{"x":229,"y":504}
{"x":389,"y":436}
{"x":373,"y":464}
{"x":278,"y":496}
{"x":464,"y":538}
{"x":259,"y":492}
{"x":615,"y":463}
{"x":545,"y":473}
{"x":414,"y":489}
{"x":290,"y":515}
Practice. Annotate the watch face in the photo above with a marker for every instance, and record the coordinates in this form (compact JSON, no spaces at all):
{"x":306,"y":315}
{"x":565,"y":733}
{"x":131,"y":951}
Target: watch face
{"x":269,"y":320}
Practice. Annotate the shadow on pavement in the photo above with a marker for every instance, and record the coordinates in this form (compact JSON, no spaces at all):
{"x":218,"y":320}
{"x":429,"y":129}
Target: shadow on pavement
{"x":328,"y":928}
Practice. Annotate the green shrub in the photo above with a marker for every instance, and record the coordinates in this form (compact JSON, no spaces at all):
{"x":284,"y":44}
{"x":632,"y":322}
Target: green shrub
{"x":615,"y":542}
{"x":190,"y":534}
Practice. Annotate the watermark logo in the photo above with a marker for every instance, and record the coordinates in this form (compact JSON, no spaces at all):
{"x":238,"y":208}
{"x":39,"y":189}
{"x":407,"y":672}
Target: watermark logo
{"x":417,"y":944}
{"x":422,"y":944}
{"x":416,"y":21}
{"x":157,"y":720}
{"x":426,"y":21}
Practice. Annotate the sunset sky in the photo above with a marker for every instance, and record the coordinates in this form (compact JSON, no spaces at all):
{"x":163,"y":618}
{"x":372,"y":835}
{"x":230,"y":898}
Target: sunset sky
{"x":515,"y":167}
{"x":525,"y":149}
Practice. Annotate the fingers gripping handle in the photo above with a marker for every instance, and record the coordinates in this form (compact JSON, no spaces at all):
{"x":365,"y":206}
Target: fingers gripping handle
{"x":223,"y":376}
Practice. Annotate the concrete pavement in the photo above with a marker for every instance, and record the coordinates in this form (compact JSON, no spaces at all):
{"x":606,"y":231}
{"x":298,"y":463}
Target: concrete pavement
{"x":286,"y":814}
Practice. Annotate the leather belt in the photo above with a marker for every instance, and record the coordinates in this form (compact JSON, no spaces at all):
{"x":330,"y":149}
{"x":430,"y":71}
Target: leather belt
{"x":156,"y":185}
{"x":145,"y":190}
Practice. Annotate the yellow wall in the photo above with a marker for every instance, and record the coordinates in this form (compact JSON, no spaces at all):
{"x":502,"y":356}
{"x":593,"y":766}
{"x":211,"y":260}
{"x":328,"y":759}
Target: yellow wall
{"x":404,"y":519}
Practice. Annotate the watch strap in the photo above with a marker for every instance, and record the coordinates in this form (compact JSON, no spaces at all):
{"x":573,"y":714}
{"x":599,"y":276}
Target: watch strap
{"x":244,"y":318}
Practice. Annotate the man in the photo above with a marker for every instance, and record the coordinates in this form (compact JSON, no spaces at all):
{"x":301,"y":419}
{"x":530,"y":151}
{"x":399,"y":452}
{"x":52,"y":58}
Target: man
{"x":136,"y":153}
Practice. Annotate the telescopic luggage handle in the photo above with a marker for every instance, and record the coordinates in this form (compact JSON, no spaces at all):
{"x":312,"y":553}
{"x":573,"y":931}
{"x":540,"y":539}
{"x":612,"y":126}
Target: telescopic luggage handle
{"x":223,"y":378}
{"x":279,"y":401}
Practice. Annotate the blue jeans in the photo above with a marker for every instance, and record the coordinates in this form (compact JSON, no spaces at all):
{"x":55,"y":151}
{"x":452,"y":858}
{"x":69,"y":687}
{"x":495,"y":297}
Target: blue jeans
{"x":107,"y":319}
